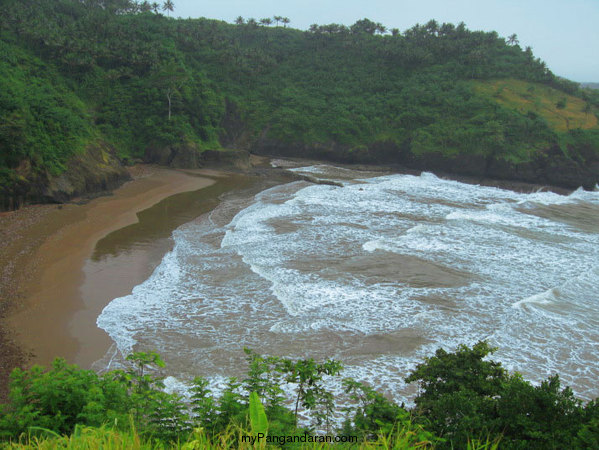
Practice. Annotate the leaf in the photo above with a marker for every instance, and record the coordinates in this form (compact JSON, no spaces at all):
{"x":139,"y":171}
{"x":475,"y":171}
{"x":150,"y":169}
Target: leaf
{"x":41,"y":431}
{"x":258,"y":419}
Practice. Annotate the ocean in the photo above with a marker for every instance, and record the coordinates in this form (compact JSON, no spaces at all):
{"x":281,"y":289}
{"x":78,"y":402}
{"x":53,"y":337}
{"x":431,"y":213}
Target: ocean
{"x":377,"y":272}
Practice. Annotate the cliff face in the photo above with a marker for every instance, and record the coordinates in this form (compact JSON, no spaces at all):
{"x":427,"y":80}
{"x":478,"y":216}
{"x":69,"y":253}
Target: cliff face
{"x":98,"y":169}
{"x":549,"y":167}
{"x":95,"y":170}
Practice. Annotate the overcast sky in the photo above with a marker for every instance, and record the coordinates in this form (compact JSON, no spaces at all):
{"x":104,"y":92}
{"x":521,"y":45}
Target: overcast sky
{"x":563,"y":33}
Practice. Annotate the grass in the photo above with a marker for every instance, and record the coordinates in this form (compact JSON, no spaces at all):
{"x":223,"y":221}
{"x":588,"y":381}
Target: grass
{"x":84,"y":438}
{"x":562,"y":112}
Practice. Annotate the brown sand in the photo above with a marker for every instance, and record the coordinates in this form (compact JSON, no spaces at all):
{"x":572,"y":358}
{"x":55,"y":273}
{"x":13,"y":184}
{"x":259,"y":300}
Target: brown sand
{"x":46,"y":251}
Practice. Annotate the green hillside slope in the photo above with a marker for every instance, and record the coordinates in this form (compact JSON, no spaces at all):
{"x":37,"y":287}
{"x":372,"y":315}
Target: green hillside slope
{"x":114,"y":74}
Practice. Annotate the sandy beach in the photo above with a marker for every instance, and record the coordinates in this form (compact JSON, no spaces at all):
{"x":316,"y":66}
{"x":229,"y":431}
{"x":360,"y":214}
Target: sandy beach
{"x":56,"y":278}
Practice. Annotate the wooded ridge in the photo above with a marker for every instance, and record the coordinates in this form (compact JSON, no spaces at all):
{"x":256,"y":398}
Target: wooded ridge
{"x":97,"y":83}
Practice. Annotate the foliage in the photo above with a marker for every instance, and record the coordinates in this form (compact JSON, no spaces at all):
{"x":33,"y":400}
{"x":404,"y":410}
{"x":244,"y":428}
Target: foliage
{"x":76,"y":71}
{"x":258,"y":419}
{"x":463,"y":395}
{"x":465,"y":400}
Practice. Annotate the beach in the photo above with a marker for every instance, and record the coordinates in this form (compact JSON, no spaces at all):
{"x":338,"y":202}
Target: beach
{"x":375,"y":269}
{"x":54,"y":282}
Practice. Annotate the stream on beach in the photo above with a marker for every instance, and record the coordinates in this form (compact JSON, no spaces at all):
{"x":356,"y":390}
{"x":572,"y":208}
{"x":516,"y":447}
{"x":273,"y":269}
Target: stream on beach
{"x":378,"y":273}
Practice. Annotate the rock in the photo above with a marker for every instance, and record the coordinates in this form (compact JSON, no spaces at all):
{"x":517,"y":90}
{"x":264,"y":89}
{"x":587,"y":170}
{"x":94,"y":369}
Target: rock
{"x":96,"y":170}
{"x":179,"y":156}
{"x":551,"y":167}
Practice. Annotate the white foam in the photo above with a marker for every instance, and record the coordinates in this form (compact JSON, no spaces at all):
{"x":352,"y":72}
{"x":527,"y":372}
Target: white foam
{"x":543,"y":298}
{"x":292,"y":291}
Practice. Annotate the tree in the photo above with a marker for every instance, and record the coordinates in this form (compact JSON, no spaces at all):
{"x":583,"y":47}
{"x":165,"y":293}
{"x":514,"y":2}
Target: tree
{"x":380,"y":28}
{"x":456,"y":390}
{"x":239,"y":21}
{"x":145,"y":6}
{"x":168,"y":6}
{"x":203,"y":404}
{"x":308,"y":375}
{"x":262,"y":377}
{"x":277,"y":19}
{"x":155,"y":7}
{"x":513,"y":39}
{"x":432,"y":27}
{"x":587,"y":109}
{"x":171,"y":79}
{"x":285,"y":21}
{"x":364,"y":26}
{"x":266,"y":21}
{"x":464,"y":395}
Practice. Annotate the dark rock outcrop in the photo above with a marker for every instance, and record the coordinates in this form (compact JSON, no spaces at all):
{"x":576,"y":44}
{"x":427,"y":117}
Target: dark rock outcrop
{"x":180,"y":156}
{"x":95,"y":170}
{"x":188,"y":156}
{"x":550,"y":167}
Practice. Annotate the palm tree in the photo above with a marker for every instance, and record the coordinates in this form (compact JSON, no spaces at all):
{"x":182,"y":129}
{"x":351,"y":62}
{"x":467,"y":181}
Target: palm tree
{"x":285,"y":21}
{"x":155,"y":7}
{"x":145,"y":6}
{"x":395,"y":31}
{"x":380,"y":28}
{"x":513,"y":39}
{"x":239,"y":21}
{"x":168,"y":6}
{"x":266,"y":21}
{"x":432,"y":27}
{"x":277,"y":19}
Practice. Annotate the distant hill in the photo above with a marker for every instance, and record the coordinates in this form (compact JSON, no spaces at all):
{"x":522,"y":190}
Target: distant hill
{"x":591,"y":85}
{"x":86,"y":84}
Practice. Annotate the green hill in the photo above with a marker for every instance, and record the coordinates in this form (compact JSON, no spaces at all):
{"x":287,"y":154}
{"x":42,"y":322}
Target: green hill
{"x":114,"y":79}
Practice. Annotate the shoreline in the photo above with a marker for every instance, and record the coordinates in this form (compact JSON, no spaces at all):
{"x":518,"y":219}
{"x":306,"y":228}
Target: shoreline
{"x":47,"y":249}
{"x":64,"y":263}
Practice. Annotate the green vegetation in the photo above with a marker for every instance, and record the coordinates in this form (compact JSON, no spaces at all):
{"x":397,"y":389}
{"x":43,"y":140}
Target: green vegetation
{"x":465,"y":400}
{"x":79,"y":72}
{"x":561,"y":111}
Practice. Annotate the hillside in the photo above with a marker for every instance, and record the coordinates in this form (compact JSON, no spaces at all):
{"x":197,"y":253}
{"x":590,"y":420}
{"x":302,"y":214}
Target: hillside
{"x":99,"y":83}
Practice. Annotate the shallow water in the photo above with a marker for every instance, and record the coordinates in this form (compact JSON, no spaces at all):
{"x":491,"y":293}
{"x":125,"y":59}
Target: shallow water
{"x":377,"y":273}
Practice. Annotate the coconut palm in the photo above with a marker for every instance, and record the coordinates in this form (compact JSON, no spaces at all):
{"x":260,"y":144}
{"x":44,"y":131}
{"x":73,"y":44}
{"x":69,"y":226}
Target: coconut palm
{"x":285,"y":21}
{"x":145,"y":6}
{"x":239,"y":21}
{"x":168,"y":6}
{"x":266,"y":21}
{"x":277,"y":19}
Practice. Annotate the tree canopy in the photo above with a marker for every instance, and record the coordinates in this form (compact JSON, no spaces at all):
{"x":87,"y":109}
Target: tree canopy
{"x":362,"y":93}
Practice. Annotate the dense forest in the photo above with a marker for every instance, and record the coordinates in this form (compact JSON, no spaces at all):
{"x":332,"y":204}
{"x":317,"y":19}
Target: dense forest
{"x":465,"y":400}
{"x":101,"y":82}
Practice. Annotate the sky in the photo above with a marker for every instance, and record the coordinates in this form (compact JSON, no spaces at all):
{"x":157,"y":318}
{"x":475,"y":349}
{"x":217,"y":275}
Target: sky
{"x":564,"y":34}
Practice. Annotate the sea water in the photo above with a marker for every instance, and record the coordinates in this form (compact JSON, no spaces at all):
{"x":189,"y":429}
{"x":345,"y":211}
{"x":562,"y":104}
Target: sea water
{"x":377,"y":273}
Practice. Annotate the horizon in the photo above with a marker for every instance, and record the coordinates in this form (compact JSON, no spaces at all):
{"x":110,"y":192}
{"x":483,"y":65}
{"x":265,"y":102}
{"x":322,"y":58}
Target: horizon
{"x":559,"y":33}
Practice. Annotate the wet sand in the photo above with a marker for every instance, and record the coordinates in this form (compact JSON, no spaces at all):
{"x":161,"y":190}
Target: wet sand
{"x":60,"y":268}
